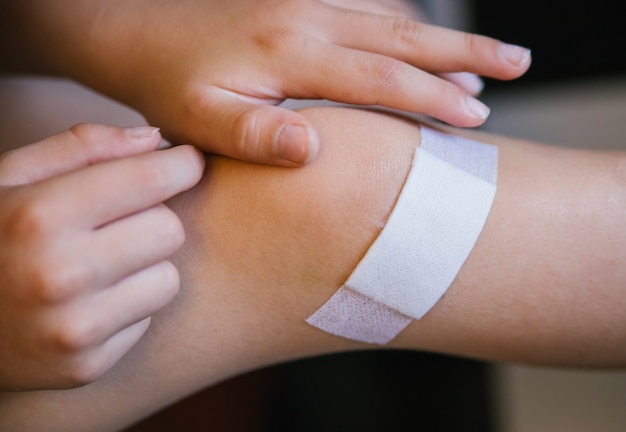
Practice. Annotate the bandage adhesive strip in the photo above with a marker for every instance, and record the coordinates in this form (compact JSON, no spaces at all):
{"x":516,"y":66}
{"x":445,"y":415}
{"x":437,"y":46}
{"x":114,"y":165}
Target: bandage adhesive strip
{"x":429,"y":234}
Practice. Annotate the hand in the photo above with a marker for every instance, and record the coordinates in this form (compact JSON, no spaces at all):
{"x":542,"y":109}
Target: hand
{"x":209,"y":72}
{"x":83,"y":248}
{"x":470,"y":82}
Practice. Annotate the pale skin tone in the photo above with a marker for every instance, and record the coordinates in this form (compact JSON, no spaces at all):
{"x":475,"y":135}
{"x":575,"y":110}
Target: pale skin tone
{"x":212,"y":82}
{"x":84,"y":233}
{"x":209,"y":73}
{"x":266,"y":247}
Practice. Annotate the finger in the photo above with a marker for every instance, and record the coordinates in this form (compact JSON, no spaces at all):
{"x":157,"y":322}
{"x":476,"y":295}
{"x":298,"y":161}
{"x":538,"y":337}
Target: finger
{"x":96,"y":318}
{"x":253,"y":132}
{"x":94,"y":363}
{"x":95,"y":259}
{"x":469,"y":82}
{"x":131,"y":244}
{"x":356,"y":77}
{"x":108,"y":191}
{"x":78,"y":147}
{"x":428,"y":47}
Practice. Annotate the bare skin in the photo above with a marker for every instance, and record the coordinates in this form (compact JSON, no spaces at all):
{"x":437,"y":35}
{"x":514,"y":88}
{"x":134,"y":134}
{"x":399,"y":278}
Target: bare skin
{"x":209,"y":73}
{"x":267,"y":246}
{"x":85,"y":242}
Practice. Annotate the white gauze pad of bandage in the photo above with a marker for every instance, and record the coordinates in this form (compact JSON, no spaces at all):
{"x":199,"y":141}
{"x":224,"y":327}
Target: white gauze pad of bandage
{"x":439,"y":214}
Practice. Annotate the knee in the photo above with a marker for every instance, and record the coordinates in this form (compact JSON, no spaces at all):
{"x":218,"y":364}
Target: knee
{"x":308,"y":225}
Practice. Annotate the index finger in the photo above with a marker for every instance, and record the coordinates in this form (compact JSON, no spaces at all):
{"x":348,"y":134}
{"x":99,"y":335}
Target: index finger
{"x":105,"y":192}
{"x":80,"y":146}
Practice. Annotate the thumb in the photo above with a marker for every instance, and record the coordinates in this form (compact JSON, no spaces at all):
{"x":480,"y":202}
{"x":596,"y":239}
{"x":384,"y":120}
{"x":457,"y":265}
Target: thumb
{"x":257,"y":133}
{"x":80,"y":146}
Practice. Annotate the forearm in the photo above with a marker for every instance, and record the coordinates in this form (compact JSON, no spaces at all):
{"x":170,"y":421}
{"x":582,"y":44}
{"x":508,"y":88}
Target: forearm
{"x":267,"y":246}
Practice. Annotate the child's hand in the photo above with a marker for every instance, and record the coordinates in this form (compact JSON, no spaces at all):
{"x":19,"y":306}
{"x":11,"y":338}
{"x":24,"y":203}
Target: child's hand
{"x":406,"y":9}
{"x":209,"y":72}
{"x":84,"y":241}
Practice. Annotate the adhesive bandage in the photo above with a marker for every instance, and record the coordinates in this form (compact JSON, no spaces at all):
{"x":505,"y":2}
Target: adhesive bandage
{"x":439,"y":214}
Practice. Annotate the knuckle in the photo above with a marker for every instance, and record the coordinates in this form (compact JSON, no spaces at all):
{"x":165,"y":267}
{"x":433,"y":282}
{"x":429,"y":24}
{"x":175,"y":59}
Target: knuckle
{"x":90,"y":137}
{"x":32,"y":217}
{"x":282,"y":35}
{"x":471,"y":43}
{"x":39,"y":217}
{"x":54,"y":281}
{"x":385,"y":72}
{"x":83,"y":132}
{"x":155,"y":174}
{"x":246,"y":133}
{"x":406,"y":31}
{"x":279,"y":40}
{"x":73,"y":334}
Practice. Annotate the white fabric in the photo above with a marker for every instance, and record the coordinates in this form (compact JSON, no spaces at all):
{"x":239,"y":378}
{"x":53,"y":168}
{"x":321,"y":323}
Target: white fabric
{"x":474,"y":157}
{"x":433,"y":227}
{"x":355,"y":316}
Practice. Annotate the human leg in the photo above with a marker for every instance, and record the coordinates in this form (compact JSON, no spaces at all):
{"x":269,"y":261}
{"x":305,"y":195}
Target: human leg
{"x":267,"y":246}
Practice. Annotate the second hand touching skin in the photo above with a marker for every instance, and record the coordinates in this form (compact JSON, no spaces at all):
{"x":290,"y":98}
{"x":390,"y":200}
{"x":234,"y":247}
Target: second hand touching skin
{"x":209,"y":73}
{"x":84,"y":248}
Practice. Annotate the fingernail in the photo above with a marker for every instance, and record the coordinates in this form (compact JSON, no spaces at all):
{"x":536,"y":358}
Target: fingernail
{"x":141,"y":132}
{"x":297,"y":143}
{"x":514,"y":54}
{"x":477,"y":108}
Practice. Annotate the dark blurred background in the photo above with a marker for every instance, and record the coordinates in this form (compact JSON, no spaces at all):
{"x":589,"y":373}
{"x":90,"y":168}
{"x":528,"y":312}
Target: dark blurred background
{"x":393,"y":391}
{"x":570,"y":40}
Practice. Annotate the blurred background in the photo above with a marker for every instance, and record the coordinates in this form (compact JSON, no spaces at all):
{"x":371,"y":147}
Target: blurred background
{"x":574,"y":95}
